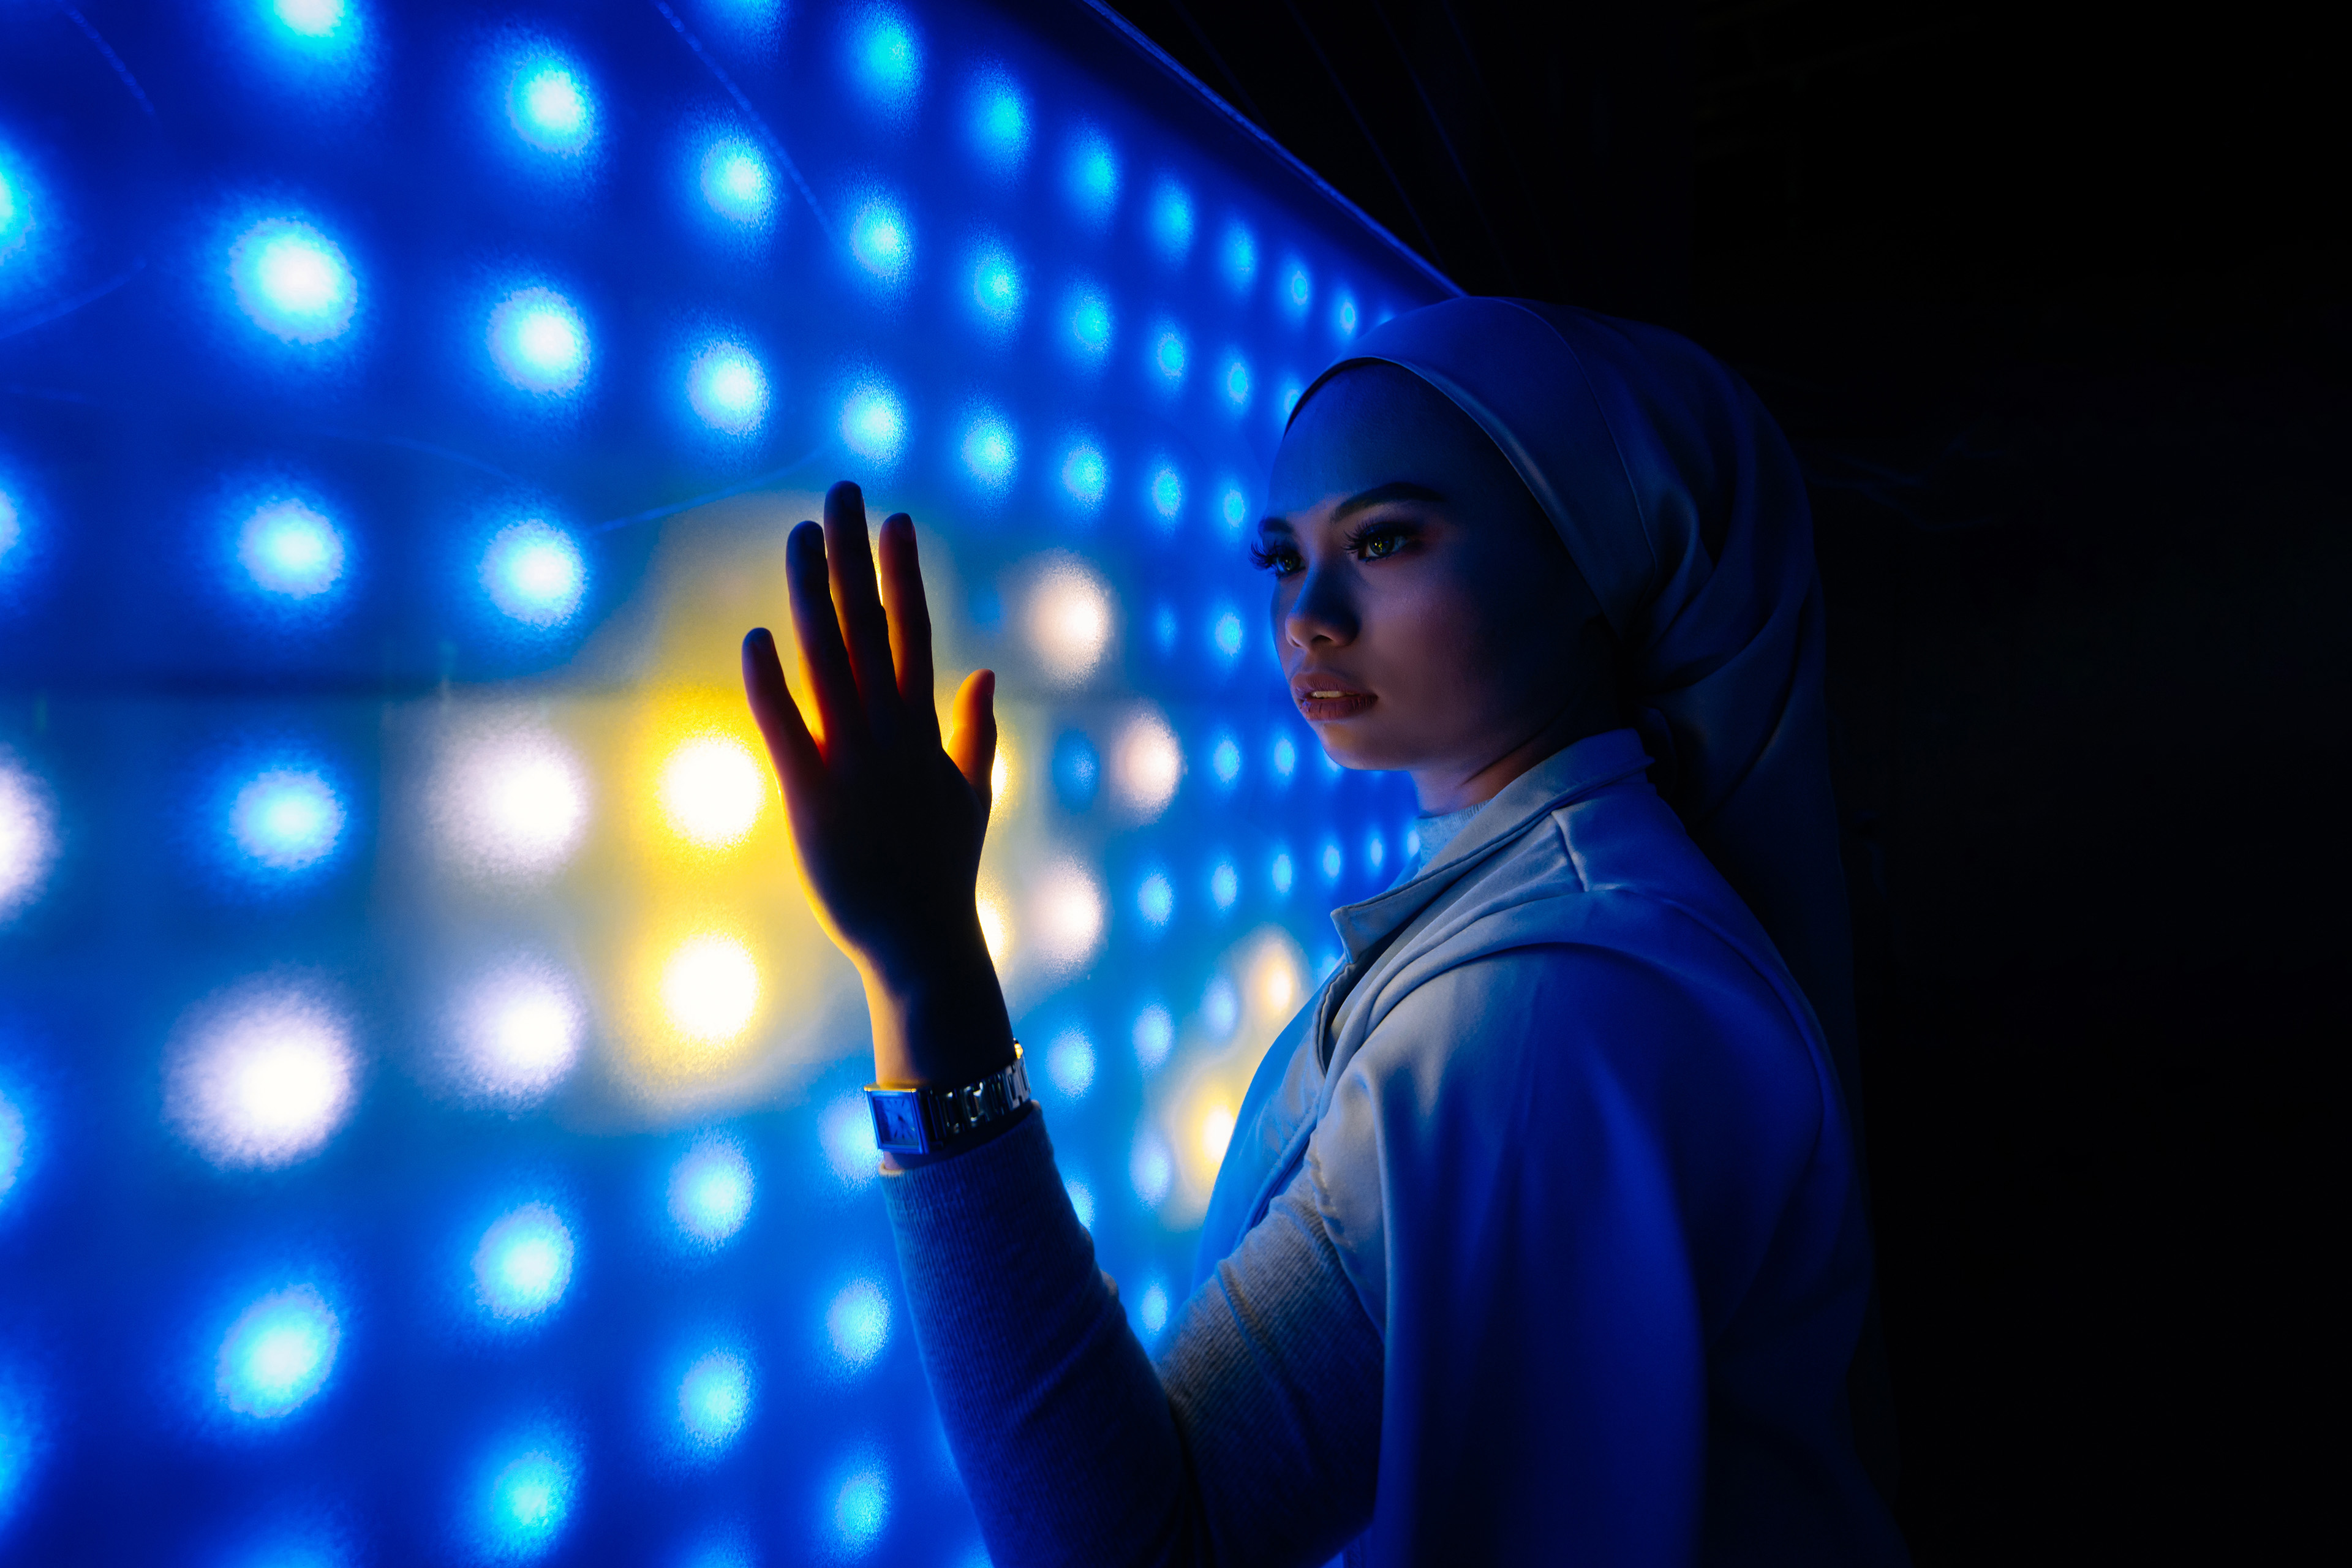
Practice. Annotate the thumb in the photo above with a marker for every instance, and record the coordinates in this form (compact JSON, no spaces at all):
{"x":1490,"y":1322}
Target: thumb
{"x":971,"y":734}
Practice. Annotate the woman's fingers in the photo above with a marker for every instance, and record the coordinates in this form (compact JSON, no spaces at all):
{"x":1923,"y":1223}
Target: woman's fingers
{"x":831,"y":682}
{"x":863,"y":624}
{"x":790,"y":745}
{"x":909,"y":616}
{"x":971,"y":734}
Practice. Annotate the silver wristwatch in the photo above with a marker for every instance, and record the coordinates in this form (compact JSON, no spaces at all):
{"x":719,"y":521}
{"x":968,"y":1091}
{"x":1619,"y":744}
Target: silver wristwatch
{"x":920,"y":1120}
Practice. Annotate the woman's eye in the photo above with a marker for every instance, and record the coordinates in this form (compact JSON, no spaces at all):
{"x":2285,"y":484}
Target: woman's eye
{"x":1282,"y":561}
{"x":1377,"y":546}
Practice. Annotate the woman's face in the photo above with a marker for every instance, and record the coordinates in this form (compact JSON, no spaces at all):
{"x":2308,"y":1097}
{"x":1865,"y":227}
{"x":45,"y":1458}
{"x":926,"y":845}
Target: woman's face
{"x":1426,"y":612}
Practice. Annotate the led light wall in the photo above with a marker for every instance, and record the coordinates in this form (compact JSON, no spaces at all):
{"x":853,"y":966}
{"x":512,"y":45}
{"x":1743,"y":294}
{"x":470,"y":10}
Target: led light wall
{"x":428,"y":1113}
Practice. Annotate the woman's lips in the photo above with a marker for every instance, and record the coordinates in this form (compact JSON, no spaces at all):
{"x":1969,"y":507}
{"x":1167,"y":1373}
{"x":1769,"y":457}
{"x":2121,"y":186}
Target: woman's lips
{"x":1323,"y":699}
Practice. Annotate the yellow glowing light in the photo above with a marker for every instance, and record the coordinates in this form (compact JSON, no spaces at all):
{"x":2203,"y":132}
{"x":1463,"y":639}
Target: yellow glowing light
{"x":710,"y":988}
{"x":711,"y":790}
{"x":1069,"y":622}
{"x":1278,"y":982}
{"x":995,"y":927}
{"x":1215,"y":1130}
{"x":1146,"y":763}
{"x":1000,"y":780}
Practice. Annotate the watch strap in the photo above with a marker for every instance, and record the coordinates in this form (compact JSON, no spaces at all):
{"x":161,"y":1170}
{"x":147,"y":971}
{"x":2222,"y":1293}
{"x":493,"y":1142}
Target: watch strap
{"x":923,"y":1121}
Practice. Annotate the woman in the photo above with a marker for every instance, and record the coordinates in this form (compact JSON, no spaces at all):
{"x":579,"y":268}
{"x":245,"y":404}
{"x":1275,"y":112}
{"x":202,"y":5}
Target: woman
{"x":1540,"y":1236}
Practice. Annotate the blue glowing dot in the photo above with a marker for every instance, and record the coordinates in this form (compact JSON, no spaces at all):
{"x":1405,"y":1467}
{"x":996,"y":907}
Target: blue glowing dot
{"x":533,"y":572}
{"x":539,"y":341}
{"x":1000,"y":122}
{"x":1163,"y":628}
{"x":872,"y":424}
{"x":1156,"y":900}
{"x":524,"y":1263}
{"x":1240,"y":256}
{"x":1233,"y":507}
{"x":12,"y":1146}
{"x":1091,"y":323}
{"x":1291,"y":392}
{"x":1166,"y":493}
{"x":1172,"y":221}
{"x":12,"y":526}
{"x":16,"y":215}
{"x":996,"y":288}
{"x":1094,"y":175}
{"x":1082,"y":1201}
{"x":1237,"y":383}
{"x":1282,"y":873}
{"x":1286,"y":756}
{"x":292,"y":280}
{"x":286,"y":819}
{"x":1412,"y":842}
{"x":711,"y":1191}
{"x":1298,"y":290}
{"x":288,"y":548}
{"x":860,"y":1509}
{"x":1331,"y":862}
{"x":989,"y":452}
{"x":846,"y":1131}
{"x":1151,"y":1308}
{"x":1226,"y":633}
{"x":308,"y":18}
{"x":728,"y":389}
{"x":20,"y":1444}
{"x":885,"y":57}
{"x":1224,"y":885}
{"x":1344,"y":318}
{"x":1070,"y":1063}
{"x":1220,"y":1006}
{"x":858,"y":1323}
{"x":880,"y":239}
{"x":1155,"y":1033}
{"x":549,"y":106}
{"x":714,"y":1399}
{"x":1226,"y":761}
{"x":1078,"y":771}
{"x":1376,"y":851}
{"x":278,"y":1353}
{"x":529,"y":1499}
{"x":1085,"y":475}
{"x":736,"y":181}
{"x":1168,"y":356}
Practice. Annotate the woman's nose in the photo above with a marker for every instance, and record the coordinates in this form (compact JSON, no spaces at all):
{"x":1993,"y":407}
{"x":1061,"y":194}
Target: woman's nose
{"x":1323,"y":611}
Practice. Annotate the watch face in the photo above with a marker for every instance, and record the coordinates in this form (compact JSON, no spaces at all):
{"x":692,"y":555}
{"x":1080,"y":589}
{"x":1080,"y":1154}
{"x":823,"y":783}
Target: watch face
{"x":897,"y":1120}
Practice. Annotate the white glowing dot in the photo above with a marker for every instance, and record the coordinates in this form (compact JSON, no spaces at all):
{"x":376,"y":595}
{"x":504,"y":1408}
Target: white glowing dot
{"x":858,"y":1323}
{"x":714,"y":1399}
{"x":1331,"y":861}
{"x":1153,"y":1308}
{"x":12,"y":1156}
{"x":1082,"y":1202}
{"x":861,"y":1509}
{"x":735,"y":181}
{"x":1224,"y":885}
{"x":28,"y":838}
{"x":1069,"y":622}
{"x":512,"y":804}
{"x":710,"y":988}
{"x":1155,"y":1031}
{"x":1225,"y":761}
{"x":539,"y":341}
{"x":523,"y":1265}
{"x":309,"y":18}
{"x":1149,"y":1169}
{"x":278,"y":1353}
{"x":880,"y":239}
{"x":1146,"y":763}
{"x":518,"y":1034}
{"x":845,"y":1128}
{"x":1070,"y":1063}
{"x":293,"y":282}
{"x":1155,"y":899}
{"x":532,"y":571}
{"x":1214,"y":1130}
{"x":1227,"y":634}
{"x":549,"y":108}
{"x":989,"y":452}
{"x":1086,"y":476}
{"x":262,"y":1078}
{"x":1220,"y":1006}
{"x":711,"y":1191}
{"x":872,"y":424}
{"x":1166,"y":493}
{"x":728,"y":389}
{"x":12,"y":527}
{"x":288,"y":548}
{"x":1286,"y":756}
{"x":1282,"y":872}
{"x":1067,"y":914}
{"x":286,"y":819}
{"x":711,"y":790}
{"x":529,"y":1500}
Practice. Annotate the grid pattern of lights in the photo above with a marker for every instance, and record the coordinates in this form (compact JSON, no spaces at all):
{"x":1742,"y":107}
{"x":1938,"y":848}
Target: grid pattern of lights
{"x":429,"y":1113}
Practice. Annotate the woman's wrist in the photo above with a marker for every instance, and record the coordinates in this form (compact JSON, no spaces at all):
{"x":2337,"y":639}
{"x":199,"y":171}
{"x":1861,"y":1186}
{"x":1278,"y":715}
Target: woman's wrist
{"x":940,"y":1024}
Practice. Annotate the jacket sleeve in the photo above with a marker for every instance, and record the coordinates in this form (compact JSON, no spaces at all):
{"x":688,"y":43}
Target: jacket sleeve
{"x":1252,"y":1441}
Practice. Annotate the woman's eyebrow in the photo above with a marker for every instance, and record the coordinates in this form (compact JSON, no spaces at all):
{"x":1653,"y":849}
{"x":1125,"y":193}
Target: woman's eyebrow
{"x":1395,"y":490}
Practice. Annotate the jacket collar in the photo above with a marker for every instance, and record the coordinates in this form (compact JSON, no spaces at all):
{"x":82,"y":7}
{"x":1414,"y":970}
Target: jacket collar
{"x":1567,"y":774}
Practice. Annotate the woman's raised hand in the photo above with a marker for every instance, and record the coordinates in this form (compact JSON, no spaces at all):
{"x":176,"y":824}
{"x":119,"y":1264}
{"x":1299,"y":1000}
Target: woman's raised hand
{"x":888,"y":823}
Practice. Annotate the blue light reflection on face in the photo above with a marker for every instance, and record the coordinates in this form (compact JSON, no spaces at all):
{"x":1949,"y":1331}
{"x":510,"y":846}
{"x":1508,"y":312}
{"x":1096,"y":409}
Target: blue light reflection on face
{"x":1172,"y":221}
{"x":736,"y":181}
{"x":728,"y":389}
{"x":989,"y":452}
{"x":711,"y":1191}
{"x":996,"y":289}
{"x":539,"y":341}
{"x":278,"y":1353}
{"x":881,"y":240}
{"x":286,"y":819}
{"x":524,"y":1264}
{"x":292,"y":280}
{"x":873,"y":424}
{"x":533,"y":573}
{"x":714,"y":1399}
{"x":885,"y":57}
{"x":529,"y":1497}
{"x":550,"y":106}
{"x":288,"y":548}
{"x":1000,"y":122}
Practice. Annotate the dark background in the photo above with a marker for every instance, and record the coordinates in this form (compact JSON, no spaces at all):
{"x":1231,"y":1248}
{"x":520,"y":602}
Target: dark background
{"x":2050,"y":303}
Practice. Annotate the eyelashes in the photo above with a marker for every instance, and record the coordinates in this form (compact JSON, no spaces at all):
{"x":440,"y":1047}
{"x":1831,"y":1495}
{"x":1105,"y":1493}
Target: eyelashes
{"x":1374,"y":541}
